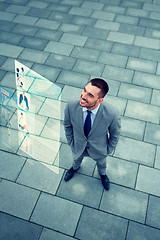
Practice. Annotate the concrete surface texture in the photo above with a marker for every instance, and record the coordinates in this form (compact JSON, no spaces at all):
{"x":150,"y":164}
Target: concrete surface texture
{"x":65,"y":43}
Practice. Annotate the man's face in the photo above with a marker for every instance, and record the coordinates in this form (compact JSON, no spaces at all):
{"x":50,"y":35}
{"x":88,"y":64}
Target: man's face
{"x":90,"y":97}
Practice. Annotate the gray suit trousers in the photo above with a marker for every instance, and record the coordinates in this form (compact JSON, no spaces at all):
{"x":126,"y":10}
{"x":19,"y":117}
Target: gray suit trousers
{"x":101,"y":163}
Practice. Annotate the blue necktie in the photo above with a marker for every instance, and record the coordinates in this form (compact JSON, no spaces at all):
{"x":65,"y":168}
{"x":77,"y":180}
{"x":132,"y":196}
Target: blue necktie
{"x":87,"y":124}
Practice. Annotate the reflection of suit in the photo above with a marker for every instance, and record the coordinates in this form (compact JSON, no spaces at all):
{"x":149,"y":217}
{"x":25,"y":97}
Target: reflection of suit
{"x":103,"y":136}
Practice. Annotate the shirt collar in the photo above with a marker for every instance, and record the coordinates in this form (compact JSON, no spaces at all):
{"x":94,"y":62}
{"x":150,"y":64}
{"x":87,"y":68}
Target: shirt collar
{"x":94,"y":111}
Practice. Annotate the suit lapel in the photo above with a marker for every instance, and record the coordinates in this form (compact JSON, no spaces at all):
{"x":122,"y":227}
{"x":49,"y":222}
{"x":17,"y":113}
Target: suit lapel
{"x":97,"y":119}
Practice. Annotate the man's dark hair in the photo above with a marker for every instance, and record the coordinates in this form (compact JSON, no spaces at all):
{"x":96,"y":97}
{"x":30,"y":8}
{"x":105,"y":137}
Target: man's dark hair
{"x":101,"y":84}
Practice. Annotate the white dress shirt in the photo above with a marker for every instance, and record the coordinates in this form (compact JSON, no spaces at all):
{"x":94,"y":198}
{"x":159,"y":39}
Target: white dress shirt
{"x":93,"y":114}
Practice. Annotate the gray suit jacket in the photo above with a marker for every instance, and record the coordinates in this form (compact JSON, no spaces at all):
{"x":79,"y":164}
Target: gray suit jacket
{"x":104,"y":133}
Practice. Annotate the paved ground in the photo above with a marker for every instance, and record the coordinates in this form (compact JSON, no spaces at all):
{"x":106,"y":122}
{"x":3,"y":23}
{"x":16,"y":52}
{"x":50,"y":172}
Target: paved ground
{"x":66,"y":42}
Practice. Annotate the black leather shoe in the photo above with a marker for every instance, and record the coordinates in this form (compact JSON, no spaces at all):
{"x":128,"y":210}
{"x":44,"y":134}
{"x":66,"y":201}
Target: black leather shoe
{"x":69,"y":174}
{"x":105,"y":182}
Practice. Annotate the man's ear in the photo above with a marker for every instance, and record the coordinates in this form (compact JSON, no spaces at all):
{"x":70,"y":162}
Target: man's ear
{"x":100,"y":100}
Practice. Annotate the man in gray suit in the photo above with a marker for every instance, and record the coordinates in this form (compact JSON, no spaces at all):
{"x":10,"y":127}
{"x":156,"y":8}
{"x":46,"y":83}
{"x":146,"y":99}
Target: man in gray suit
{"x":92,"y":128}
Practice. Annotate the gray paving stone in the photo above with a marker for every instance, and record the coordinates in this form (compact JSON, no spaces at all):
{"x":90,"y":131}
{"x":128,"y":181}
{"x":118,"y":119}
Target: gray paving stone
{"x":46,"y":89}
{"x":10,"y":50}
{"x":54,"y":130}
{"x":113,"y":59}
{"x":115,"y":9}
{"x":37,"y":4}
{"x":151,"y":7}
{"x":17,"y":195}
{"x":88,"y":67}
{"x":132,"y":128}
{"x":25,"y":19}
{"x":85,"y":53}
{"x":82,"y":189}
{"x":40,"y":176}
{"x":149,"y":23}
{"x":51,"y":210}
{"x":75,"y":79}
{"x":2,"y":74}
{"x":34,"y":55}
{"x":132,"y":4}
{"x":116,"y":73}
{"x":71,"y":28}
{"x":50,"y":73}
{"x":120,"y":37}
{"x":142,"y":111}
{"x":37,"y":12}
{"x":12,"y":226}
{"x":158,"y":69}
{"x":53,"y":108}
{"x":92,"y":5}
{"x":134,"y":92}
{"x":59,"y":8}
{"x":93,"y":225}
{"x":157,"y":162}
{"x":147,"y":80}
{"x":49,"y":24}
{"x":66,"y":93}
{"x":48,"y":34}
{"x":81,"y":11}
{"x":95,"y":33}
{"x":127,"y":50}
{"x":131,"y":29}
{"x":107,"y":25}
{"x":72,"y":2}
{"x":9,"y":64}
{"x":73,"y":39}
{"x":10,"y":165}
{"x":6,"y":25}
{"x":137,"y":12}
{"x":147,"y":177}
{"x":17,"y":9}
{"x":126,"y":19}
{"x":2,"y":59}
{"x":40,"y":149}
{"x":6,"y":16}
{"x":59,"y":48}
{"x":86,"y":21}
{"x":3,"y":6}
{"x":22,"y":2}
{"x":113,"y":87}
{"x":119,"y":103}
{"x":152,"y":33}
{"x":120,"y":172}
{"x":132,"y":150}
{"x":25,"y":29}
{"x":152,"y":133}
{"x":98,"y":44}
{"x":150,"y":54}
{"x":34,"y":43}
{"x":147,"y":42}
{"x":126,"y":203}
{"x":138,"y":231}
{"x":154,"y":15}
{"x":50,"y":235}
{"x":60,"y":61}
{"x":102,"y":15}
{"x":141,"y":65}
{"x":61,"y":17}
{"x":153,"y":216}
{"x":8,"y":80}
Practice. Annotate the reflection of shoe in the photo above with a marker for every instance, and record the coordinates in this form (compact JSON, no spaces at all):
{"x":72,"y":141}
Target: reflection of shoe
{"x":105,"y":182}
{"x":69,"y":174}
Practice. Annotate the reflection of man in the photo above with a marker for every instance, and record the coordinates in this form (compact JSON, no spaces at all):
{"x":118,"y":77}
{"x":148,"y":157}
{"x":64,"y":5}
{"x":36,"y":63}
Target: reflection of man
{"x":23,"y":101}
{"x":22,"y":123}
{"x":92,"y":128}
